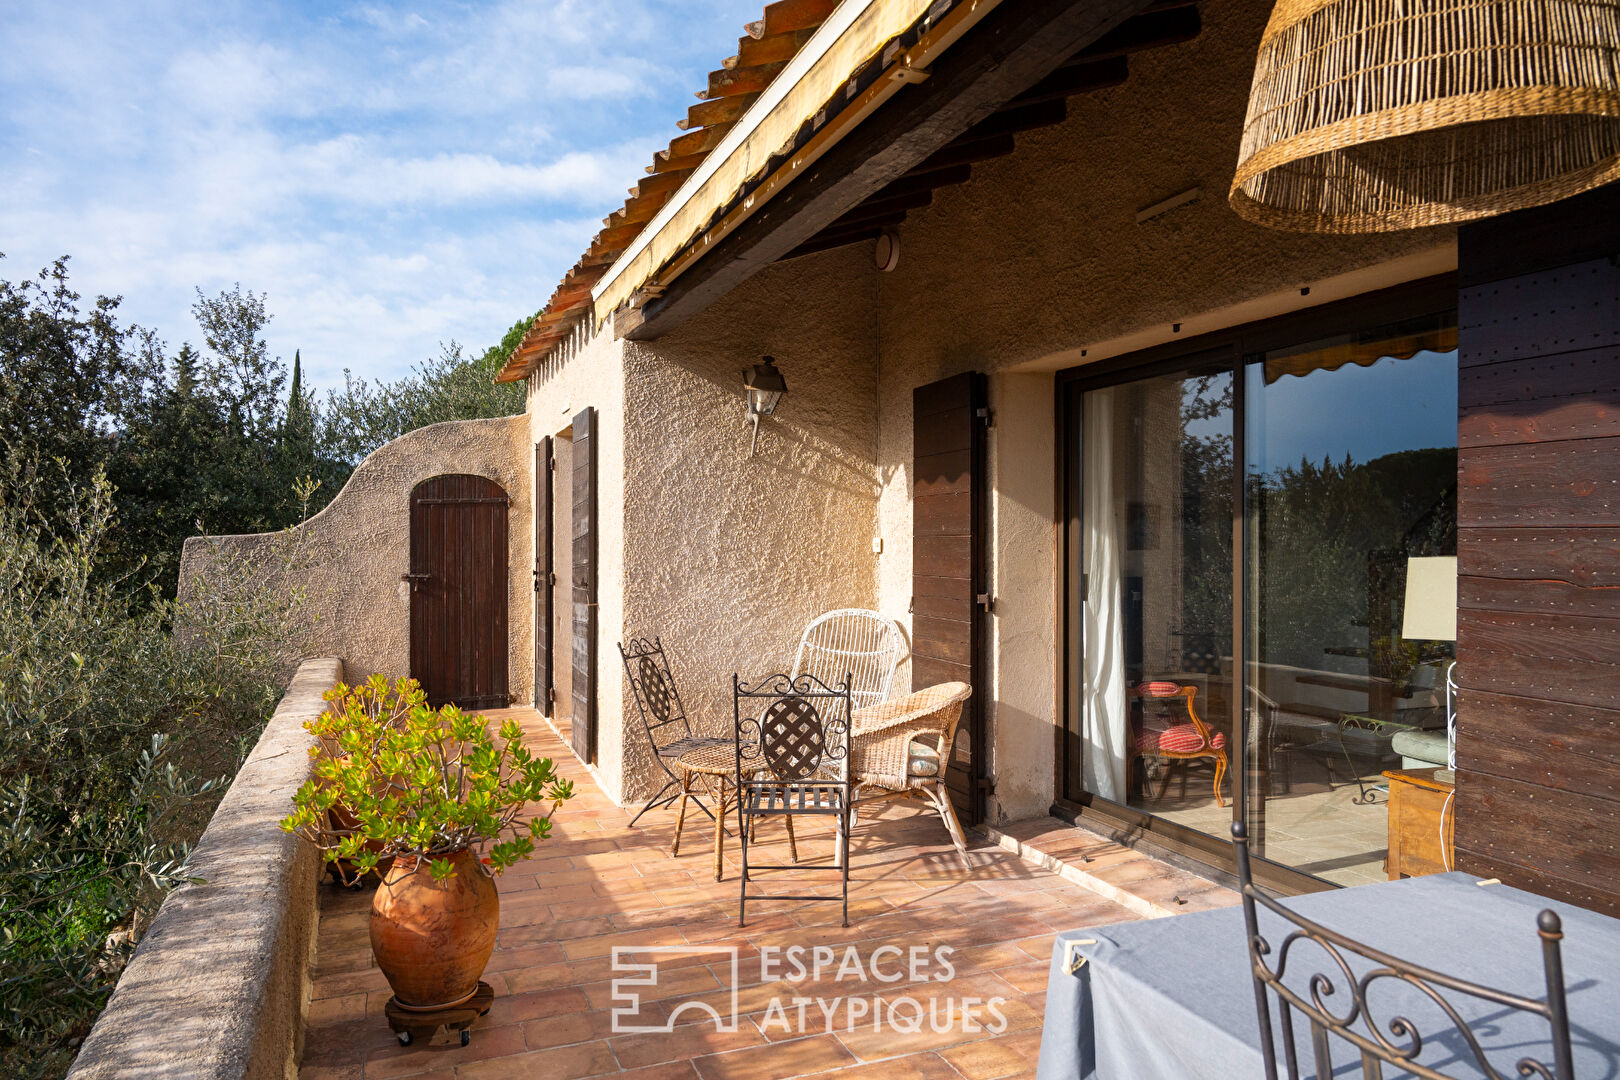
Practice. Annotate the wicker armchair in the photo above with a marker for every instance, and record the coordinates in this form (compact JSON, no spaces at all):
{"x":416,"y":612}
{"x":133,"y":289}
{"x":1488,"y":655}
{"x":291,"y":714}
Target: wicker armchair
{"x":902,"y":748}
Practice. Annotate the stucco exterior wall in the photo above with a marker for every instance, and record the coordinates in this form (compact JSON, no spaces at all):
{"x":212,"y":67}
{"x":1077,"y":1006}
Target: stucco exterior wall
{"x":352,"y":553}
{"x":728,"y":555}
{"x":1040,"y":255}
{"x":588,"y":372}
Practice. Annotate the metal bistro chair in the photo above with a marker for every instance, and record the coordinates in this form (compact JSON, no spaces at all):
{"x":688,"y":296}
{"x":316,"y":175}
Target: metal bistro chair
{"x":662,"y":716}
{"x":862,"y":646}
{"x":1393,"y":1040}
{"x":792,"y":756}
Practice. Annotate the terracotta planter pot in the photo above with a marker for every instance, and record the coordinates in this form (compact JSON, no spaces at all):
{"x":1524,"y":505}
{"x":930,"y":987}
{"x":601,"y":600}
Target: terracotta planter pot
{"x":432,"y":939}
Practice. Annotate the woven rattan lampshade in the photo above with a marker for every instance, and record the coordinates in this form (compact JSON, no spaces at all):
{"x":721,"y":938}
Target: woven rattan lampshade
{"x":1375,"y":115}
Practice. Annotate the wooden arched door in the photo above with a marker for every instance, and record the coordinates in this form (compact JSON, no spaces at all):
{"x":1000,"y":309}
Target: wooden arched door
{"x":458,"y":590}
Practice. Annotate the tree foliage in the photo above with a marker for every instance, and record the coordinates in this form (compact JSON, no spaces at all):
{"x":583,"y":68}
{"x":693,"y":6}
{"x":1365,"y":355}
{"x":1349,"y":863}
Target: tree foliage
{"x":210,"y":439}
{"x":116,"y":736}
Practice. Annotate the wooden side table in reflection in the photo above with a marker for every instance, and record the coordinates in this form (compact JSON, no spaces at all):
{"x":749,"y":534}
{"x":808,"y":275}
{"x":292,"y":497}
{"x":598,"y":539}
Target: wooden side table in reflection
{"x":1422,"y":816}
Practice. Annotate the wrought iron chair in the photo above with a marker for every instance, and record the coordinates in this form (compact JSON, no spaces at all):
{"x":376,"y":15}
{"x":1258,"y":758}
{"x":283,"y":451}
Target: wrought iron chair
{"x":861,"y":646}
{"x":1397,"y":1041}
{"x":663,"y":717}
{"x":791,"y":736}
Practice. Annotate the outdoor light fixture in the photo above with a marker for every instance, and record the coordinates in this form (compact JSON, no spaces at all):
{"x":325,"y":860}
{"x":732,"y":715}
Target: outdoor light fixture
{"x":765,"y":387}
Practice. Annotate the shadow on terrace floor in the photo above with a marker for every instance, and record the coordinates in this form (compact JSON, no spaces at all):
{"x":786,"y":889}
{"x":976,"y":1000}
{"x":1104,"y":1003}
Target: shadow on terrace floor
{"x":597,"y":885}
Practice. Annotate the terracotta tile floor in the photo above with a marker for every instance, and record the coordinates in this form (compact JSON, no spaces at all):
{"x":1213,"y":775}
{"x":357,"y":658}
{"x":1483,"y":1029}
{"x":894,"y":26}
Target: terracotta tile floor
{"x":598,"y":885}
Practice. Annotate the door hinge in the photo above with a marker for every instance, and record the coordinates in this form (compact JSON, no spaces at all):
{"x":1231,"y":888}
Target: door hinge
{"x":551,"y":464}
{"x":983,"y":413}
{"x":551,"y":695}
{"x":551,"y":579}
{"x":984,"y":601}
{"x":911,"y":606}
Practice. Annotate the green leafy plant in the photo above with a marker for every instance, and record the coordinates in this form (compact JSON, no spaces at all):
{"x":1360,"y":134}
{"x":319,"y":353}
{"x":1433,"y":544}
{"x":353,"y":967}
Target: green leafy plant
{"x":395,"y":778}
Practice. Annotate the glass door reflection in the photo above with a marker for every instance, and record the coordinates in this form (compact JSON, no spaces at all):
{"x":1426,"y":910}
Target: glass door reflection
{"x":1350,"y":471}
{"x":1156,"y":611}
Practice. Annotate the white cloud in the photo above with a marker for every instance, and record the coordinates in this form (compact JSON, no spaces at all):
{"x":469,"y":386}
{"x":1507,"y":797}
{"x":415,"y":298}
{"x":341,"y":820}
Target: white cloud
{"x":392,"y":176}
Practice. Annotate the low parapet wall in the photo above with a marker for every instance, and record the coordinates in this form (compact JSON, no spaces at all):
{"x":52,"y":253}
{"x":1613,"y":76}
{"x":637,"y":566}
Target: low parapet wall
{"x":218,"y":986}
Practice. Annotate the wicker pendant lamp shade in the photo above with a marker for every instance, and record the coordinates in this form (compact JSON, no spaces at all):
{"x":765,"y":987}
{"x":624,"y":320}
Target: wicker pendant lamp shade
{"x":1376,"y":115}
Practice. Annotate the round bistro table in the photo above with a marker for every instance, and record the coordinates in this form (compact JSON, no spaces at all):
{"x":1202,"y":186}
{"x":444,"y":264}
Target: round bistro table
{"x":712,"y":771}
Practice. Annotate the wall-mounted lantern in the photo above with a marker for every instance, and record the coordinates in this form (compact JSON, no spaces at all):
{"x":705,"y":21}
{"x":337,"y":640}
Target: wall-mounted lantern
{"x":765,"y":387}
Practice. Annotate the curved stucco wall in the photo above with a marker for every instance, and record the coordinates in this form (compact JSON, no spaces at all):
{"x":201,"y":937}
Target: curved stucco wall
{"x":351,"y":554}
{"x":728,"y":555}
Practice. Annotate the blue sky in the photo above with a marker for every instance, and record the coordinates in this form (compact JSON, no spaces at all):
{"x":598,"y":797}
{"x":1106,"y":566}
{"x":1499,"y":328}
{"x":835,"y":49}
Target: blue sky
{"x":393,"y":176}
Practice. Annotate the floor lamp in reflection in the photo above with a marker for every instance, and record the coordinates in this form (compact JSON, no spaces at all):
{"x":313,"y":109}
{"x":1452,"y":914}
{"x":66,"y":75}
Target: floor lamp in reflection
{"x":1431,"y":615}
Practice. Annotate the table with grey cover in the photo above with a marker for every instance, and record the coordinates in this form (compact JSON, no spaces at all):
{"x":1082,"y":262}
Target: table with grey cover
{"x":1173,"y":997}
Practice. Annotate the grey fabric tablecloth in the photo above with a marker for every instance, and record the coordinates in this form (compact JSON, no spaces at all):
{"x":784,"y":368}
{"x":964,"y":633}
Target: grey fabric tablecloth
{"x":1172,"y":997}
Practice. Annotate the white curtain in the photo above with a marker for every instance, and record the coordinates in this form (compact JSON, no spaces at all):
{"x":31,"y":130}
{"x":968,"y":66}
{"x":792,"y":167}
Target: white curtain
{"x":1105,"y":728}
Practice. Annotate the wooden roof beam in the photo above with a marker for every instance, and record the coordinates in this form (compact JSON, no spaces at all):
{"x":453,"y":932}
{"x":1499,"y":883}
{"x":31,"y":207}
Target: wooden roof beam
{"x":827,"y":241}
{"x":1077,"y":79}
{"x":1150,"y":30}
{"x":1019,"y":43}
{"x":882,"y":209}
{"x":965,"y":152}
{"x":1012,"y":119}
{"x":924,"y":181}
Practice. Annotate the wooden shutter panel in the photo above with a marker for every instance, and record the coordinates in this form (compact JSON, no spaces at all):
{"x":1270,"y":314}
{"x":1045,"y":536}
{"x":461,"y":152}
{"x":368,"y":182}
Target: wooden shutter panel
{"x":947,"y":568}
{"x":544,"y":598}
{"x":584,"y":585}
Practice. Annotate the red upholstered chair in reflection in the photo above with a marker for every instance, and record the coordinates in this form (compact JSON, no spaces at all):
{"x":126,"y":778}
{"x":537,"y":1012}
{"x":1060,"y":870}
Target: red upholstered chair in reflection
{"x":1165,"y":735}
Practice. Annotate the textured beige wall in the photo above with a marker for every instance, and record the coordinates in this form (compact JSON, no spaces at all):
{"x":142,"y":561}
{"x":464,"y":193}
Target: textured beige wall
{"x":1040,"y":255}
{"x":729,"y":556}
{"x":586,"y":372}
{"x":354,"y":550}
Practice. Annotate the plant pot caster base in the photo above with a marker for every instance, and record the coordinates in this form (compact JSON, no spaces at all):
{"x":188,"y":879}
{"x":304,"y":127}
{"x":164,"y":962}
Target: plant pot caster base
{"x":414,"y":1024}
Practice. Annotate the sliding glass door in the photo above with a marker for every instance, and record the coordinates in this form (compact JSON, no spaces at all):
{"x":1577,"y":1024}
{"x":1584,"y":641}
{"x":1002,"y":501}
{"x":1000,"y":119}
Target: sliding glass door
{"x":1350,"y":473}
{"x":1326,"y":462}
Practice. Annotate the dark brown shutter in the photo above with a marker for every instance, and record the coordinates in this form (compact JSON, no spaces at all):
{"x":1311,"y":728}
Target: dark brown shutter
{"x":947,"y":565}
{"x":544,"y":598}
{"x":458,"y":591}
{"x":584,"y":535}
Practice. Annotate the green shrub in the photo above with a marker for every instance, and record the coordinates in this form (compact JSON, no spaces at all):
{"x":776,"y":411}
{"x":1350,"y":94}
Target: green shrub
{"x":111,"y":726}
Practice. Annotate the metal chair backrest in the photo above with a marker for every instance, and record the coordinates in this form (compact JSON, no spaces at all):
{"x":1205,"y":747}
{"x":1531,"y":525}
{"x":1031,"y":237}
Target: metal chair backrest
{"x":1392,"y":1039}
{"x":861,"y":646}
{"x":662,"y":714}
{"x":795,"y":726}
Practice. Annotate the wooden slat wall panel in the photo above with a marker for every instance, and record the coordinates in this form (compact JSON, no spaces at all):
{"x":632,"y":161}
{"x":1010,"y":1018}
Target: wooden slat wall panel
{"x":1538,"y":622}
{"x":583,"y":730}
{"x":948,"y":564}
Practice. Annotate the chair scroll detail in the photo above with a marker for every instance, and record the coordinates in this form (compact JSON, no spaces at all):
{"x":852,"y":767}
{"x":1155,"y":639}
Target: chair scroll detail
{"x":1394,"y":1040}
{"x":791,"y":742}
{"x":663,"y":717}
